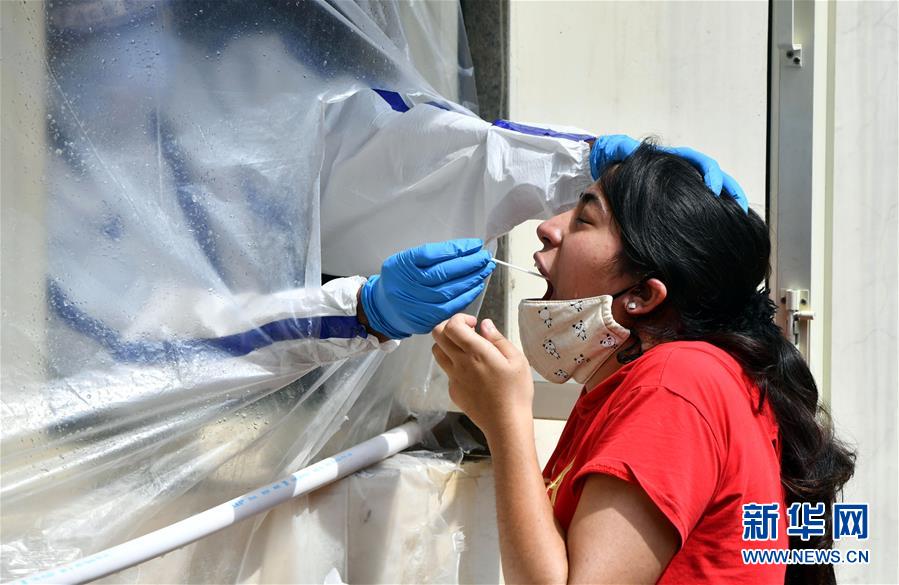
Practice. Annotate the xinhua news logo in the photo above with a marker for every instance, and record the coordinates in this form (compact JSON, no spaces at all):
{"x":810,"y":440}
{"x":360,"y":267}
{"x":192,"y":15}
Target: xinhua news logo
{"x":805,"y":520}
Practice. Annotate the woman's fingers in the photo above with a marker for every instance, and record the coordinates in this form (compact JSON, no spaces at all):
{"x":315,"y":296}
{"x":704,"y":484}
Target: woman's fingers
{"x":438,"y":330}
{"x":441,"y":358}
{"x":460,"y":330}
{"x":446,"y":344}
{"x":462,"y":319}
{"x":492,"y":334}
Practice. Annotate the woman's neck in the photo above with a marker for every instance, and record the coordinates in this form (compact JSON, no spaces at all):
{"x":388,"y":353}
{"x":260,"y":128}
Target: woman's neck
{"x":611,"y":366}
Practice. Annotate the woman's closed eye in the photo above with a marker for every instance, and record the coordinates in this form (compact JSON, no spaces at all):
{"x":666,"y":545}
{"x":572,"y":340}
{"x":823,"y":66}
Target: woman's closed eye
{"x":586,"y":214}
{"x":589,"y":210}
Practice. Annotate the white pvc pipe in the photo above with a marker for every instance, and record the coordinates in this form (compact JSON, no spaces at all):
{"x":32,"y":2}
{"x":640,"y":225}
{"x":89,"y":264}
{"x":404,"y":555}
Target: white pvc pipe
{"x":214,"y":519}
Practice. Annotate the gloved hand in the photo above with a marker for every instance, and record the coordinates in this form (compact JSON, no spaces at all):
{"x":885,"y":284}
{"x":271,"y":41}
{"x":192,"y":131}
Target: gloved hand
{"x":421,"y":287}
{"x":617,"y":147}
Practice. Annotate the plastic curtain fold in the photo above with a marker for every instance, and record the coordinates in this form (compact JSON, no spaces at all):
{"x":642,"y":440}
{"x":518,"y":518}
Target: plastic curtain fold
{"x":194,"y":169}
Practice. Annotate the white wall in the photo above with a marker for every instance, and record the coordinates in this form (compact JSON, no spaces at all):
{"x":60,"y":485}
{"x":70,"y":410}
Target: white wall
{"x":863,"y":312}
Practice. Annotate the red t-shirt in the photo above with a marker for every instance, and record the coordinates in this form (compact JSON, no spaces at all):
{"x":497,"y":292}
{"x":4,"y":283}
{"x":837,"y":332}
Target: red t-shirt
{"x":681,"y":422}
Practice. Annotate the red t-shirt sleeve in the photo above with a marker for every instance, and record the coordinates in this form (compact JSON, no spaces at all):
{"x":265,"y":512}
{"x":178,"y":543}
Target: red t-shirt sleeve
{"x":657,"y":439}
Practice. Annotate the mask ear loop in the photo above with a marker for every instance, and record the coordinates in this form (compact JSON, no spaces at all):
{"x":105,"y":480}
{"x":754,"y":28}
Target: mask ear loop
{"x":631,"y":305}
{"x":643,"y":279}
{"x":636,"y":284}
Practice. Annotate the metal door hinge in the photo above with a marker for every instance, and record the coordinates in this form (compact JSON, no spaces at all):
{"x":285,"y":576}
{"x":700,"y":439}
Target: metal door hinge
{"x":793,"y":54}
{"x":796,"y":302}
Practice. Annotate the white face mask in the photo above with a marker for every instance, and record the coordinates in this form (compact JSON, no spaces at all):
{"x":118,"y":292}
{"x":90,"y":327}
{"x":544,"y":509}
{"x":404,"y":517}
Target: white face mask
{"x":571,"y":338}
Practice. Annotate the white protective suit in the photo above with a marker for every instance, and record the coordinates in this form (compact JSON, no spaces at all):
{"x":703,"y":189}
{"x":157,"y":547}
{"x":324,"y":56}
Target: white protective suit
{"x":408,"y":176}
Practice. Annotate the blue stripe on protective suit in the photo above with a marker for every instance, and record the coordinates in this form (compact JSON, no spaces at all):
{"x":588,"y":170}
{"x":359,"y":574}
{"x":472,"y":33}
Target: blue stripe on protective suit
{"x":236,"y":345}
{"x":393,"y":98}
{"x":186,"y":192}
{"x":535,"y":131}
{"x":288,"y":330}
{"x":396,"y":101}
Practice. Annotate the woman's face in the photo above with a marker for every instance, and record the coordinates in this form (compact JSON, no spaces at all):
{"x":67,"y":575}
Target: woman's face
{"x":579,"y":250}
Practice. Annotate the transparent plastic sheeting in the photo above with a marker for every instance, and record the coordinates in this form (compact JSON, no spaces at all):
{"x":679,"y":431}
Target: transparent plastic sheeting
{"x":176,"y":179}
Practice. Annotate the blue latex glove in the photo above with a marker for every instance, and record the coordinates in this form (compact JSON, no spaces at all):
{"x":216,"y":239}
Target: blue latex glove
{"x":617,"y":147}
{"x":421,"y":287}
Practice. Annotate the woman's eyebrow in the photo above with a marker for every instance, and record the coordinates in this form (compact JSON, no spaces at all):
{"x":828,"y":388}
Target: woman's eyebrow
{"x":588,"y":198}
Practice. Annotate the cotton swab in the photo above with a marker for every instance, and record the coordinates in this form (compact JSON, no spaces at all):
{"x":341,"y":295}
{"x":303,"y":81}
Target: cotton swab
{"x":520,"y":269}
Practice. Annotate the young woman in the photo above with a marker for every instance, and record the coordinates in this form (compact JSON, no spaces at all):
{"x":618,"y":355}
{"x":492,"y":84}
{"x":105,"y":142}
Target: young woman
{"x":694,"y":404}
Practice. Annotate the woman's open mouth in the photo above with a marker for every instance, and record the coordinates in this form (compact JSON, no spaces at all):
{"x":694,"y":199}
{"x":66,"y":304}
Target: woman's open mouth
{"x":549,"y":285}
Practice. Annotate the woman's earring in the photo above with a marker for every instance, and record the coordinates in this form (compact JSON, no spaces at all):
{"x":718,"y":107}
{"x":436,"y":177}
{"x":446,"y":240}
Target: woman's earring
{"x":631,"y":306}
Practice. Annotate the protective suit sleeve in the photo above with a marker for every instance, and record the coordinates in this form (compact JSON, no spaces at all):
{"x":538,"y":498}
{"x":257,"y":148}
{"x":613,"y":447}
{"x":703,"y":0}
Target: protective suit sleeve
{"x":301,"y":328}
{"x":418,"y":170}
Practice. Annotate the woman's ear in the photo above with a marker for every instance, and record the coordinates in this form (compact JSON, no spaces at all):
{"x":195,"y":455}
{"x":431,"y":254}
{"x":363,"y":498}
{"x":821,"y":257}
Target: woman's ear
{"x":646,"y":297}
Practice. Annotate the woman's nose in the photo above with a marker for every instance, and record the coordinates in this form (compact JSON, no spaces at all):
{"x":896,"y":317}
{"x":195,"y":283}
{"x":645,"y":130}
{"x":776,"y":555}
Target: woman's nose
{"x":550,"y":232}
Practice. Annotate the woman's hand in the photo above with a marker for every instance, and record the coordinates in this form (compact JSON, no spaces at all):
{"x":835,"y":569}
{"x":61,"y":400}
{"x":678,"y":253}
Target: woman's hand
{"x":489,"y":378}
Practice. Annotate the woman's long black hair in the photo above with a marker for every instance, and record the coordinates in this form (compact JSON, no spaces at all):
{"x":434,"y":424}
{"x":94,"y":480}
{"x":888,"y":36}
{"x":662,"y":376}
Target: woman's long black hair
{"x":713,"y":257}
